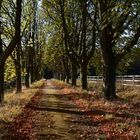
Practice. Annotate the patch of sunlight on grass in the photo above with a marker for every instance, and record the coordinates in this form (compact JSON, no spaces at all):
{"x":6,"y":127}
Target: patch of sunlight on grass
{"x":121,"y":126}
{"x":126,"y":92}
{"x":38,"y":84}
{"x":131,"y":94}
{"x":95,"y":86}
{"x":108,"y":116}
{"x":59,"y":83}
{"x":138,"y":132}
{"x":14,"y":103}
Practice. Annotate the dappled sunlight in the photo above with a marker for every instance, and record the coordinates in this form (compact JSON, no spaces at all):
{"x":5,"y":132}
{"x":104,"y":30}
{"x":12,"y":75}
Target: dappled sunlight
{"x":13,"y":106}
{"x":113,"y":119}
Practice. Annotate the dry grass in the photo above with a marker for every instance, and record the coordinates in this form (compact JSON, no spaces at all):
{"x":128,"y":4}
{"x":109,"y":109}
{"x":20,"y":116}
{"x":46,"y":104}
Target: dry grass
{"x":129,"y":93}
{"x":14,"y":103}
{"x":38,"y":84}
{"x":117,"y":119}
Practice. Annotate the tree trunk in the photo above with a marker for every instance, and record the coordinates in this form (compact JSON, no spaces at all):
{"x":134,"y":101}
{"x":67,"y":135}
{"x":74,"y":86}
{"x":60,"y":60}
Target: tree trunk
{"x":68,"y":74}
{"x":109,"y":78}
{"x":66,"y":68}
{"x":67,"y":79}
{"x":4,"y":55}
{"x":74,"y":75}
{"x":18,"y":78}
{"x":1,"y":66}
{"x":84,"y":76}
{"x":1,"y":84}
{"x":31,"y":62}
{"x":18,"y":66}
{"x":63,"y":77}
{"x":109,"y":66}
{"x":108,"y":51}
{"x":27,"y":78}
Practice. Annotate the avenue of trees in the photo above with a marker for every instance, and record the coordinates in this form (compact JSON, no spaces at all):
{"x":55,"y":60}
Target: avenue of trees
{"x":68,"y":36}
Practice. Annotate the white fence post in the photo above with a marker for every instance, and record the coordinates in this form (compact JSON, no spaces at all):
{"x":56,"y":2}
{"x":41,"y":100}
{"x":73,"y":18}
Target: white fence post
{"x":133,"y":80}
{"x":122,"y":80}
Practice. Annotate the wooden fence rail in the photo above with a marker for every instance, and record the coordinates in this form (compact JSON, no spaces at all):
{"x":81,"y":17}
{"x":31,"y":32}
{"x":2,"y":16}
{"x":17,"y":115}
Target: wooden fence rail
{"x":131,"y":80}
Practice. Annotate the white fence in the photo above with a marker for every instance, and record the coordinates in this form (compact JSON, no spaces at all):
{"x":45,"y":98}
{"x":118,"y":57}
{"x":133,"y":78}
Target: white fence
{"x":131,"y":80}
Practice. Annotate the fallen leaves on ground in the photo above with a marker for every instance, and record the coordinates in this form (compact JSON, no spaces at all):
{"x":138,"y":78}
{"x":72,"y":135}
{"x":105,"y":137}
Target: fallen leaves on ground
{"x":23,"y":125}
{"x":116,"y":119}
{"x":102,"y":119}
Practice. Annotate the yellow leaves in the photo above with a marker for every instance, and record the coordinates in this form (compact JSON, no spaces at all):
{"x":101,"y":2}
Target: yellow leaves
{"x":9,"y":70}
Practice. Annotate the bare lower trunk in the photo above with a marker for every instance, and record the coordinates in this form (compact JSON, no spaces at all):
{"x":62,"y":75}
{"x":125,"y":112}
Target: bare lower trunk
{"x":84,"y":76}
{"x":31,"y":63}
{"x":18,"y":79}
{"x":74,"y":75}
{"x":67,"y":79}
{"x":63,"y":77}
{"x":1,"y":66}
{"x":27,"y":80}
{"x":32,"y":71}
{"x":1,"y":84}
{"x":66,"y":68}
{"x":68,"y":75}
{"x":18,"y":67}
{"x":109,"y":79}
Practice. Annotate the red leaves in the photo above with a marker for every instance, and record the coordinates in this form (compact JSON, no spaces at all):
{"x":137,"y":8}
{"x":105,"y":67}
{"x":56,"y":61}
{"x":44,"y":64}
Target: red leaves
{"x":103,"y":119}
{"x":22,"y":127}
{"x":114,"y":120}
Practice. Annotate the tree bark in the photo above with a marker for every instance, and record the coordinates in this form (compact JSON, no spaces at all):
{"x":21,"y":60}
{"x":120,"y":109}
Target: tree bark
{"x":18,"y":71}
{"x":109,"y":69}
{"x":66,"y":68}
{"x":18,"y":79}
{"x":109,"y":79}
{"x":31,"y":62}
{"x":18,"y":66}
{"x":84,"y":75}
{"x":27,"y":78}
{"x":1,"y":66}
{"x":108,"y":52}
{"x":74,"y":75}
{"x":1,"y":83}
{"x":4,"y":55}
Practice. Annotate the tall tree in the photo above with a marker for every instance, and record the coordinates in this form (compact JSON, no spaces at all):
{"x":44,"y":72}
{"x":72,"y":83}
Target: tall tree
{"x":4,"y":54}
{"x":117,"y":19}
{"x":79,"y":35}
{"x":1,"y":65}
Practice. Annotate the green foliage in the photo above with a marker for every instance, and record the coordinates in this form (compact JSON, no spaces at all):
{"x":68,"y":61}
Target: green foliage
{"x":127,"y":61}
{"x":9,"y":70}
{"x":54,"y":52}
{"x":96,"y":61}
{"x":49,"y":46}
{"x":10,"y":73}
{"x":123,"y":66}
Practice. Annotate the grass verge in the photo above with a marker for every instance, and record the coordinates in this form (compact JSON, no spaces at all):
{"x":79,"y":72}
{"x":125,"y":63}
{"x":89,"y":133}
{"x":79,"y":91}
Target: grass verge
{"x":14,"y":104}
{"x":116,"y":119}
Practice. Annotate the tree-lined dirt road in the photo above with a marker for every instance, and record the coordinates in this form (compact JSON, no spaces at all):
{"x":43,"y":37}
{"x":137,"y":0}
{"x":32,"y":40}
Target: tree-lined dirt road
{"x":50,"y":116}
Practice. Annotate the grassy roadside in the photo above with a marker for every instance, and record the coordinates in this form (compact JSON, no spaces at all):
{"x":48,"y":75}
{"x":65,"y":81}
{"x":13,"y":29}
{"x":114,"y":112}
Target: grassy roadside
{"x":118,"y":119}
{"x":127,"y":93}
{"x":14,"y":104}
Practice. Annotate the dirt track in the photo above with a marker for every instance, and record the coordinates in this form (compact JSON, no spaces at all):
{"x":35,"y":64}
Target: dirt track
{"x":50,"y":116}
